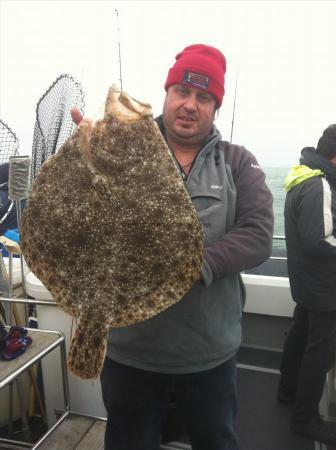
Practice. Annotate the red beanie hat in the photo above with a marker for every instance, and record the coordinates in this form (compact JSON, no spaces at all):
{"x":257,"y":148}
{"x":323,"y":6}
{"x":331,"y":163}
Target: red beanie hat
{"x":202,"y":67}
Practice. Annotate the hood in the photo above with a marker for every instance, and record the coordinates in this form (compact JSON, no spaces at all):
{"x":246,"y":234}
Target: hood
{"x":314,"y":160}
{"x":300,"y":173}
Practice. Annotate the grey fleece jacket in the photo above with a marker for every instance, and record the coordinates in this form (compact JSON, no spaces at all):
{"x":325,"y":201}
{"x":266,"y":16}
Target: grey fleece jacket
{"x":203,"y":330}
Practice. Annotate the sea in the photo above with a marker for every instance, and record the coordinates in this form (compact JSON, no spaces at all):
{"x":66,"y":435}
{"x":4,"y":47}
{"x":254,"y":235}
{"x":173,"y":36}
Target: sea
{"x":276,"y":266}
{"x":275,"y":178}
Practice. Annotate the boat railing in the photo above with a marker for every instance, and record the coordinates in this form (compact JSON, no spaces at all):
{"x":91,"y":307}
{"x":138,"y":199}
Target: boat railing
{"x":278,"y":258}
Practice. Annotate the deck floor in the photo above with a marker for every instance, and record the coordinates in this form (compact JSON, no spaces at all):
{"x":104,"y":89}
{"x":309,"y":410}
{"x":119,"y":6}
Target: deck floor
{"x":261,"y":424}
{"x":76,"y":432}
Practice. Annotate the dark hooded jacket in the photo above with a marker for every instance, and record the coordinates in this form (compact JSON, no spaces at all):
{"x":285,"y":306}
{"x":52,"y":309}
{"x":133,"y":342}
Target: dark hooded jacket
{"x":310,"y":228}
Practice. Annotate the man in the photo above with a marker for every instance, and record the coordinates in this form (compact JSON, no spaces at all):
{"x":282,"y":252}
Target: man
{"x":191,"y":347}
{"x":8,"y":219}
{"x":310,"y":228}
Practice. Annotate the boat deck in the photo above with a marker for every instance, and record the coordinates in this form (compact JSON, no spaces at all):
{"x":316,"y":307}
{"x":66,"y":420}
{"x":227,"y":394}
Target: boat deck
{"x":79,"y":432}
{"x":261,"y":424}
{"x":75,"y":432}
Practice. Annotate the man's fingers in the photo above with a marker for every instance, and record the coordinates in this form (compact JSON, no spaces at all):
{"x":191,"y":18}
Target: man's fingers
{"x":87,"y":122}
{"x":79,"y":120}
{"x":76,"y":115}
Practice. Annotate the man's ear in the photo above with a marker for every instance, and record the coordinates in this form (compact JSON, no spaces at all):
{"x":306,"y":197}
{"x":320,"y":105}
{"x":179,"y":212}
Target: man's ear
{"x":333,"y":161}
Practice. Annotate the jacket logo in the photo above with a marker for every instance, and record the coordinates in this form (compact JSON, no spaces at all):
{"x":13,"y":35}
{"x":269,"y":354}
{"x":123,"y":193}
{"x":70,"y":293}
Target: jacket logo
{"x":216,"y":186}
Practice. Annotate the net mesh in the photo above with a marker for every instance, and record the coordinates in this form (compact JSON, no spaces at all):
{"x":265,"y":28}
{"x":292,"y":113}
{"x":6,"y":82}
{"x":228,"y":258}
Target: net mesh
{"x":53,"y":119}
{"x":9,"y":143}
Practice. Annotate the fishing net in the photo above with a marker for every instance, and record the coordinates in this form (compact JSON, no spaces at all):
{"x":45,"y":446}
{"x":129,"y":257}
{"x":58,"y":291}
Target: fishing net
{"x":9,"y":143}
{"x":53,"y":119}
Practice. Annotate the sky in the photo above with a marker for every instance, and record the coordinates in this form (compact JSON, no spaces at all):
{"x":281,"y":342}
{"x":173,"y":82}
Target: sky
{"x":280,"y":56}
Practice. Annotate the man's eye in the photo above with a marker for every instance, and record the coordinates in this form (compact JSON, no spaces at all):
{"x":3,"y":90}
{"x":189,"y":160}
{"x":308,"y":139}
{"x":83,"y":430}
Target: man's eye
{"x":204,"y":98}
{"x":183,"y":91}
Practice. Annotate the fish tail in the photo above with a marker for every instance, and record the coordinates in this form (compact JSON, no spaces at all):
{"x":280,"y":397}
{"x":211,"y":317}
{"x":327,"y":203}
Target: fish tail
{"x":87,"y":350}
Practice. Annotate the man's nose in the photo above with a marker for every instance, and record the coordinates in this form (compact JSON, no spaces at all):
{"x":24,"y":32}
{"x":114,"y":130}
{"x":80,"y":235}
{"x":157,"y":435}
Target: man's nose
{"x":190,"y":104}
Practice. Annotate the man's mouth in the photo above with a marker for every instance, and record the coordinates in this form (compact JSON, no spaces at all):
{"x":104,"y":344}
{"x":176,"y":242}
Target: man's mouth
{"x":186,"y":118}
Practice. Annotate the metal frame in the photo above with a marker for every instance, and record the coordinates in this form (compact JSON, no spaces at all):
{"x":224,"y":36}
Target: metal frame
{"x":9,"y":379}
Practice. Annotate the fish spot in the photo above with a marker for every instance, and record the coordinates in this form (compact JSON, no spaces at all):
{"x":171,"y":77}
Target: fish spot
{"x":157,"y":213}
{"x":121,"y":299}
{"x":130,"y":316}
{"x":122,"y":279}
{"x":181,"y":277}
{"x":33,"y":256}
{"x":101,"y":277}
{"x":51,"y":278}
{"x":80,"y":338}
{"x":97,"y":341}
{"x":55,"y":252}
{"x":150,"y":303}
{"x":158,"y":268}
{"x":170,"y":293}
{"x":140,"y":237}
{"x":175,"y":198}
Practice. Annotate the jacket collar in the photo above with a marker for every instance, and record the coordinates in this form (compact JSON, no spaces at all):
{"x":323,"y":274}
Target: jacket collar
{"x":300,"y":173}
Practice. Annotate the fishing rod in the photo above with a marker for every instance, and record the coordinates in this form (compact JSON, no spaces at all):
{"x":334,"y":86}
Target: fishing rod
{"x":119,"y":49}
{"x":234,"y":106}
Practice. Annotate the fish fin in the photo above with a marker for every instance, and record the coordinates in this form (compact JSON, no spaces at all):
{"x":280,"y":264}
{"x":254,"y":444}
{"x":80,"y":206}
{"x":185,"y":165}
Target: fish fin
{"x":85,"y":130}
{"x":87,"y":349}
{"x":124,"y":107}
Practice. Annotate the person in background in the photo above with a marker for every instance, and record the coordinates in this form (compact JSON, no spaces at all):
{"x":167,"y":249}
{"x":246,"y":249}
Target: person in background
{"x":310,"y":229}
{"x":8,"y":216}
{"x":191,"y":347}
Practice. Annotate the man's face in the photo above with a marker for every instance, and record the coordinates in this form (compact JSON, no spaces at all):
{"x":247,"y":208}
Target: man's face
{"x":188,"y":115}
